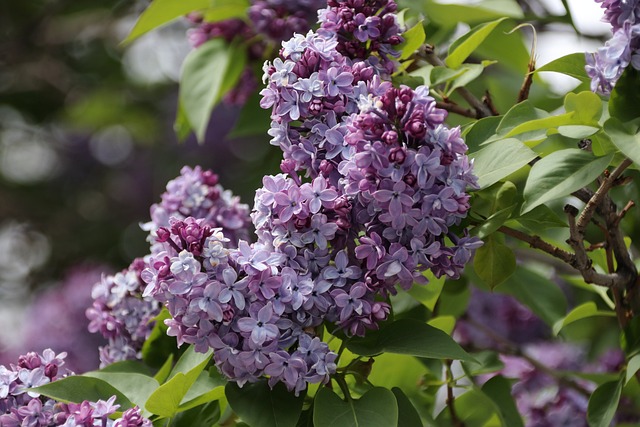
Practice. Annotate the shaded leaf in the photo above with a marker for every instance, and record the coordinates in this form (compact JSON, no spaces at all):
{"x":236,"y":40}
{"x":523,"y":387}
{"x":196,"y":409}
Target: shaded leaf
{"x":376,"y":408}
{"x":624,"y":101}
{"x":625,"y":138}
{"x":570,"y":65}
{"x":413,"y":38}
{"x":499,"y":160}
{"x":136,"y":387}
{"x":78,"y":388}
{"x":561,"y":173}
{"x":603,"y":403}
{"x":583,"y":311}
{"x":494,"y":262}
{"x":499,"y":391}
{"x":407,"y":414}
{"x":260,"y":406}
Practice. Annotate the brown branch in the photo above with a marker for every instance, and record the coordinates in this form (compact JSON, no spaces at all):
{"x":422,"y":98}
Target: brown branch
{"x":538,"y":243}
{"x":455,"y":108}
{"x":599,"y":195}
{"x":455,"y":421}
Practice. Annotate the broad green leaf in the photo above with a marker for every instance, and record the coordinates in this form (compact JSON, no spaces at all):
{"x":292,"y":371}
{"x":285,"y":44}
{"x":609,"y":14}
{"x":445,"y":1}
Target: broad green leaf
{"x":441,"y":74}
{"x":625,"y":137}
{"x":624,"y":101}
{"x":633,"y":365}
{"x":518,"y":114}
{"x":603,"y":403}
{"x":164,"y":371}
{"x":407,"y":414}
{"x":561,"y":173}
{"x":207,"y":74}
{"x":205,"y":415}
{"x":397,"y":370}
{"x":136,"y":387}
{"x":428,"y":294}
{"x":539,"y":293}
{"x":208,"y":387}
{"x":588,"y":309}
{"x":577,"y":131}
{"x":499,"y":390}
{"x":161,"y":12}
{"x":545,"y":124}
{"x":165,"y":401}
{"x":499,"y":160}
{"x":494,"y":262}
{"x":465,"y":45}
{"x":487,"y":10}
{"x":586,"y":107}
{"x":630,"y":337}
{"x":191,"y":360}
{"x":221,"y":10}
{"x":181,"y":125}
{"x":570,"y":65}
{"x":471,"y":72}
{"x":495,"y":198}
{"x":444,"y":323}
{"x":253,"y":120}
{"x":376,"y":408}
{"x":539,"y":219}
{"x":260,"y":406}
{"x":491,"y":224}
{"x":481,"y":131}
{"x":413,"y":39}
{"x":78,"y":388}
{"x":408,"y":336}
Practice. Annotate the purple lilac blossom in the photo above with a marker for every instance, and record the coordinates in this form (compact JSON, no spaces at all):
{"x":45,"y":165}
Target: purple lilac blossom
{"x":20,"y":407}
{"x":349,"y":178}
{"x":605,"y":66}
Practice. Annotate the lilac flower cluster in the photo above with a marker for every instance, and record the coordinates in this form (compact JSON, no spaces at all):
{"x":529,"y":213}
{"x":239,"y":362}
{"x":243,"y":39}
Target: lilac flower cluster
{"x":606,"y":65}
{"x":269,"y":22}
{"x":197,"y":193}
{"x":385,"y":191}
{"x":363,"y":28}
{"x":121,"y":315}
{"x":20,"y":406}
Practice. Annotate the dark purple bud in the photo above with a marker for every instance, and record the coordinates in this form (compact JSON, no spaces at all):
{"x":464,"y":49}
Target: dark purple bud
{"x":51,"y":370}
{"x":398,"y":155}
{"x":326,"y":168}
{"x":409,"y":179}
{"x":390,"y":137}
{"x":30,"y":360}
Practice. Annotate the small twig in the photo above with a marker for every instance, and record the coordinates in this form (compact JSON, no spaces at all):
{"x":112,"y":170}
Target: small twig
{"x":455,"y":108}
{"x":488,"y":101}
{"x":599,"y":195}
{"x":630,"y":204}
{"x":538,"y":243}
{"x":475,"y":103}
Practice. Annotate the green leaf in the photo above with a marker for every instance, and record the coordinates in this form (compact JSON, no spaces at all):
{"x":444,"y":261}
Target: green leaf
{"x":474,"y":409}
{"x":491,"y":224}
{"x":583,"y":311}
{"x":603,"y":403}
{"x":540,"y":294}
{"x":132,"y":366}
{"x":625,"y":137}
{"x":494,"y":262}
{"x":486,"y":10}
{"x":444,"y":323}
{"x":181,"y":125}
{"x":543,"y":124}
{"x":499,"y":160}
{"x":163,"y":373}
{"x":499,"y":390}
{"x":407,"y":414}
{"x":408,"y":336}
{"x":428,"y":294}
{"x":586,"y":106}
{"x":253,"y":120}
{"x":481,"y":131}
{"x":161,"y":12}
{"x":159,"y":344}
{"x":376,"y":408}
{"x":136,"y":387}
{"x":624,"y":101}
{"x":260,"y":406}
{"x":540,"y":218}
{"x":78,"y":388}
{"x":470,"y":72}
{"x":208,"y":73}
{"x":577,"y":131}
{"x":413,"y":39}
{"x":208,"y":387}
{"x":570,"y":65}
{"x":205,"y":415}
{"x":221,"y":10}
{"x":165,"y":400}
{"x":633,"y":365}
{"x":191,"y":360}
{"x":561,"y":173}
{"x":465,"y":45}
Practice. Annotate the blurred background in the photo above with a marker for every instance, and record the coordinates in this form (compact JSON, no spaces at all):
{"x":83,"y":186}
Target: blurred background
{"x":87,"y":145}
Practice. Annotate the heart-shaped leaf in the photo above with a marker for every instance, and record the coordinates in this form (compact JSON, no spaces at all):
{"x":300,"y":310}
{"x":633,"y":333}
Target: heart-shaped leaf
{"x":377,"y":408}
